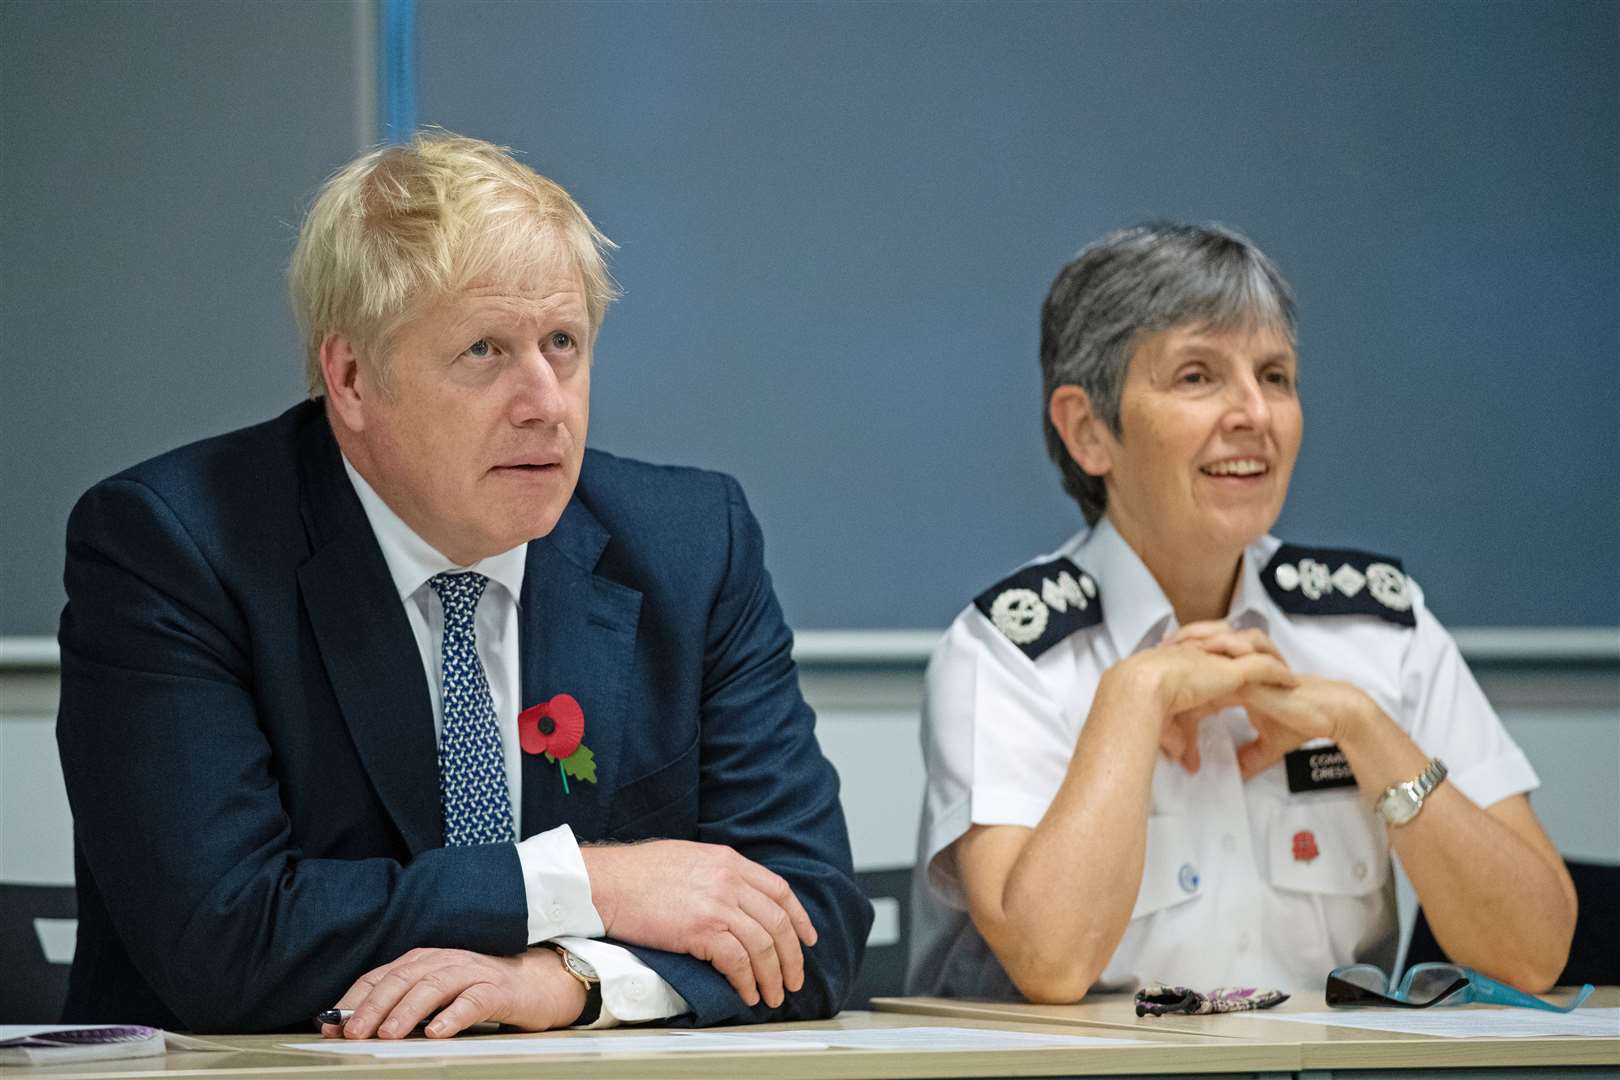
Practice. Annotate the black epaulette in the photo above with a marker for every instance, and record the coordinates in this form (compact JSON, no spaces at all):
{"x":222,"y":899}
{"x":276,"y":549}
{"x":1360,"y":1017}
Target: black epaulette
{"x":1339,"y":581}
{"x":1041,"y":605}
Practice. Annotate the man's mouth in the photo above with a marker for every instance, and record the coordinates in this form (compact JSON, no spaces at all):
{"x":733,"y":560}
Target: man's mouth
{"x":527,"y":466}
{"x":1236,"y":467}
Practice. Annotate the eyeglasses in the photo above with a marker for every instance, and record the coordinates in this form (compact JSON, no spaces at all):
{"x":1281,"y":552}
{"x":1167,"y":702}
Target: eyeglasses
{"x":1431,"y":984}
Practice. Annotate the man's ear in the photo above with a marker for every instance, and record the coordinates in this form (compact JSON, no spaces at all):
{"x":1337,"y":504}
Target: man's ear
{"x":1085,"y":435}
{"x":346,"y":389}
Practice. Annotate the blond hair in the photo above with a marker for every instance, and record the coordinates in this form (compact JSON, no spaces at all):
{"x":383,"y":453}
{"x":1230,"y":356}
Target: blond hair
{"x":404,"y":224}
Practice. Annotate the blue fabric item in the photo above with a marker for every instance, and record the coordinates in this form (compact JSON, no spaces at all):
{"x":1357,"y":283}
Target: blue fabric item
{"x":472,"y":767}
{"x":398,"y":70}
{"x":247,"y":737}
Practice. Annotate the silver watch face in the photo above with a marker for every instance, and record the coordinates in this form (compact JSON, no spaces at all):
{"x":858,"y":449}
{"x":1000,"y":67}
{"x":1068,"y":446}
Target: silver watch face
{"x":1400,"y":804}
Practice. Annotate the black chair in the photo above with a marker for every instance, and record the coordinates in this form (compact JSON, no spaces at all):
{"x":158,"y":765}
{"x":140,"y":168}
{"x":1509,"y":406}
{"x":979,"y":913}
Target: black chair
{"x":32,"y":988}
{"x":883,"y":973}
{"x":1594,"y":954}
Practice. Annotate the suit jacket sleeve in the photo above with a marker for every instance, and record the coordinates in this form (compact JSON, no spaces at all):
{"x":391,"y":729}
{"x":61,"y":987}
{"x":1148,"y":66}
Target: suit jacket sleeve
{"x":178,"y":810}
{"x":767,"y":791}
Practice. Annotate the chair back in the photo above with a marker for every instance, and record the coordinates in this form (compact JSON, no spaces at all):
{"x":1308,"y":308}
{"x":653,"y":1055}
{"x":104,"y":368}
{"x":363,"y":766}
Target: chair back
{"x":37,"y":928}
{"x":883,"y":972}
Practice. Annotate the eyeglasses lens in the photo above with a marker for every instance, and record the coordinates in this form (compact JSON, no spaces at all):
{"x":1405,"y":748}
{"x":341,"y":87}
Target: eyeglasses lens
{"x":1428,"y":982}
{"x":1366,"y":977}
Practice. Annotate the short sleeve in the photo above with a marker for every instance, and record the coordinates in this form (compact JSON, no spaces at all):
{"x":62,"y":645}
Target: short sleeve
{"x":995,"y":744}
{"x":1449,"y":717}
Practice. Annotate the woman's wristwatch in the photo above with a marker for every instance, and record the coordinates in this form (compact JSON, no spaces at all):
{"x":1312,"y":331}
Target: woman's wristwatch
{"x":586,"y":974}
{"x":1401,"y":802}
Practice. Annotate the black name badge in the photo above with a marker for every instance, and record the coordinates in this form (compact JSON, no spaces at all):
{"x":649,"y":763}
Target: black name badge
{"x":1320,"y":768}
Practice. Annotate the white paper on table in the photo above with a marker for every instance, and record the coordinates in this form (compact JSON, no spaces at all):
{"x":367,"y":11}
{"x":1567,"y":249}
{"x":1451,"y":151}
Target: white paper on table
{"x":911,"y":1039}
{"x":943,"y":1038}
{"x":555,"y":1044}
{"x":1488,"y":1023}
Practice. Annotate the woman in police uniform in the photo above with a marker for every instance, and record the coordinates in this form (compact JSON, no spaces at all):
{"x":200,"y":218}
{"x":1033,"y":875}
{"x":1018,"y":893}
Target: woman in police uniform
{"x":1176,"y":749}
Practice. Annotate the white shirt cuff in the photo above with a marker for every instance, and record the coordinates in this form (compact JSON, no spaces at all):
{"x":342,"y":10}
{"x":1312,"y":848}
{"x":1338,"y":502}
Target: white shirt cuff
{"x":632,"y":992}
{"x":556,"y":887}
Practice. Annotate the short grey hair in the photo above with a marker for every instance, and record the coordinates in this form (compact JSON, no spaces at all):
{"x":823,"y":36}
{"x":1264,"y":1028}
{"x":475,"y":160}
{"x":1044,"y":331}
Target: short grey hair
{"x":1134,"y":282}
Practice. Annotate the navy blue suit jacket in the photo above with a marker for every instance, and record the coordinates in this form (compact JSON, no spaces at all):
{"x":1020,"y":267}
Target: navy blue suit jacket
{"x":248,"y":744}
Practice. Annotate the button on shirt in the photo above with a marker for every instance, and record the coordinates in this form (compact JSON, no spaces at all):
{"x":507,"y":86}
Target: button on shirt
{"x":556,"y":886}
{"x":1231,"y":893}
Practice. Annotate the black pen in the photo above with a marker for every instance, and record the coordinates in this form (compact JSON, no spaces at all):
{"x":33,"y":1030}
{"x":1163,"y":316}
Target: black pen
{"x":341,"y":1016}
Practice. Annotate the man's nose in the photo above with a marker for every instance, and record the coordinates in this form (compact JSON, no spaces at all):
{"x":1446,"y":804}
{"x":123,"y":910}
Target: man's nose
{"x":537,"y":394}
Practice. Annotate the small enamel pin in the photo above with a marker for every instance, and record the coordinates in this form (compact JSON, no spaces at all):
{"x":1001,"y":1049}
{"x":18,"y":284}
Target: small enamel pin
{"x":554,"y":728}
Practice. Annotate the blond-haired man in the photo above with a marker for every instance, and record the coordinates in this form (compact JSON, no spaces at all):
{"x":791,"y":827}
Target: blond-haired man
{"x":364,"y":707}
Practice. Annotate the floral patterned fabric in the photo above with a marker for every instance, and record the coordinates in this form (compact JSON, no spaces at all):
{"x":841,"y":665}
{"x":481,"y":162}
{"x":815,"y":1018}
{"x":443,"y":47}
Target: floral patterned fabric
{"x":1160,"y":1000}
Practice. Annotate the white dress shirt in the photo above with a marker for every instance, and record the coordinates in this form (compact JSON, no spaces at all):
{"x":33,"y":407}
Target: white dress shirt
{"x":556,"y":886}
{"x":1244,"y":883}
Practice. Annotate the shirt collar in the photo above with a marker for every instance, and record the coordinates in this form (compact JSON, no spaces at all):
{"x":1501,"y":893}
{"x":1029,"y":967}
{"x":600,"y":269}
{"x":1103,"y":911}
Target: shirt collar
{"x":1249,"y":600}
{"x":412,"y":560}
{"x":1134,"y":606}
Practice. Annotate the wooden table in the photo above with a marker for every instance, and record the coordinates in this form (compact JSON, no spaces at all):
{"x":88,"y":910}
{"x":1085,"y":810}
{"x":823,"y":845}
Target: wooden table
{"x":1160,"y":1054}
{"x":1322,"y":1050}
{"x":1184,"y":1046}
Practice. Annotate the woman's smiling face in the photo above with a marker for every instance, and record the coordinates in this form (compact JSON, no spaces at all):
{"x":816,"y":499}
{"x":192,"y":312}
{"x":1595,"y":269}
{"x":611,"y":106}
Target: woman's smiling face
{"x":1210,"y":426}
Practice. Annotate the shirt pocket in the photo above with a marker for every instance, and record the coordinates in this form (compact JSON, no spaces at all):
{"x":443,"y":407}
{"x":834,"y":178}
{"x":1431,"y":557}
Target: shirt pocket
{"x":1327,"y":844}
{"x":1171,"y":873}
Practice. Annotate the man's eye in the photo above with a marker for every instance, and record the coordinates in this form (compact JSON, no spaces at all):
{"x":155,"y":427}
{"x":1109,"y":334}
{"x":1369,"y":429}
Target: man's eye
{"x":1193,"y":378}
{"x":562,"y":340}
{"x":480,"y":349}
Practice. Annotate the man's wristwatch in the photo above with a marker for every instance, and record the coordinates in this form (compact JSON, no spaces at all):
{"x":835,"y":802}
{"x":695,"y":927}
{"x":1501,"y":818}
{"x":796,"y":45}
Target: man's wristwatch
{"x":586,"y":974}
{"x":1401,"y":802}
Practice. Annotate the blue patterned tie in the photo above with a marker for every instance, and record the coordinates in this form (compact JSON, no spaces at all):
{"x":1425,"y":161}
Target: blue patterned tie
{"x":472,"y":768}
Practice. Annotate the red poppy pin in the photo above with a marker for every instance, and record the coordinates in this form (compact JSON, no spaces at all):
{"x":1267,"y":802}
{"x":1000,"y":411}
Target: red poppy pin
{"x":554,"y":728}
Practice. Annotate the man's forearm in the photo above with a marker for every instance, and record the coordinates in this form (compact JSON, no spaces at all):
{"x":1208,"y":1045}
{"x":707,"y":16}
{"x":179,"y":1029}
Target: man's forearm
{"x":842,"y":918}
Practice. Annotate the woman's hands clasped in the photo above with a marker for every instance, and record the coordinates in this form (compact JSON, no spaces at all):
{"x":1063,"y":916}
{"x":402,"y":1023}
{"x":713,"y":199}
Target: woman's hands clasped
{"x":1202,"y":670}
{"x":1285,"y":713}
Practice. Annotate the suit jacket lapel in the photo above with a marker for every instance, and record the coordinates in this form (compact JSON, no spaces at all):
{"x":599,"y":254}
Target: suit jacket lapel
{"x":366,"y":644}
{"x":578,"y":633}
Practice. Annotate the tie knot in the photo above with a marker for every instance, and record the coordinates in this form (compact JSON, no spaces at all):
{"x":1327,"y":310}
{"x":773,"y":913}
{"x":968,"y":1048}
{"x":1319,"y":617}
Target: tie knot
{"x":459,"y":593}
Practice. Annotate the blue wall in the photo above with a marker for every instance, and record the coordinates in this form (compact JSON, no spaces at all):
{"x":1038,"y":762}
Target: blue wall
{"x":837,"y":222}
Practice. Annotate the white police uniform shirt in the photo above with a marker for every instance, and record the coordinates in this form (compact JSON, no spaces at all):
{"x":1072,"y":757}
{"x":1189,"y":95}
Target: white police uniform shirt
{"x":1243,"y":883}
